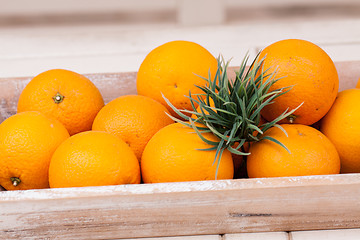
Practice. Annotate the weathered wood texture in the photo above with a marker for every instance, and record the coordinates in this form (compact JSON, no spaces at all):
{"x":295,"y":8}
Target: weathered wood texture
{"x":28,"y":51}
{"x":187,"y":208}
{"x":113,"y":85}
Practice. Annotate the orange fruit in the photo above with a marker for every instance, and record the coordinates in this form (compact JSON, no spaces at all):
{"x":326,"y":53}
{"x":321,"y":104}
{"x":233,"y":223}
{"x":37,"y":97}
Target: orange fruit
{"x":239,"y":166}
{"x":173,"y":155}
{"x":310,"y":71}
{"x":237,"y":159}
{"x":342,"y":126}
{"x":133,"y":118}
{"x":67,"y":96}
{"x":358,"y":84}
{"x":311,"y":153}
{"x":173,"y":69}
{"x":93,"y":158}
{"x":27,"y":142}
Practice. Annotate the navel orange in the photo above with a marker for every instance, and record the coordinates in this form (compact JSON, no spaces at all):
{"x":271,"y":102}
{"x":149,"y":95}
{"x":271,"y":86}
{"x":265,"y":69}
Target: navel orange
{"x":67,"y":96}
{"x":27,"y":142}
{"x":173,"y":155}
{"x":93,"y":158}
{"x":133,"y":118}
{"x":311,"y":153}
{"x":173,"y":69}
{"x":311,"y":73}
{"x":342,"y":126}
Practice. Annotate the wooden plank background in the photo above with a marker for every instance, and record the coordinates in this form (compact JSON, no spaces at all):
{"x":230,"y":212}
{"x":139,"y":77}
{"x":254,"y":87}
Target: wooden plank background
{"x":41,"y":35}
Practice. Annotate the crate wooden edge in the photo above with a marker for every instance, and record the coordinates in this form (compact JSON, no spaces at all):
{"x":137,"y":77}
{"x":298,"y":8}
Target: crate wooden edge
{"x":186,"y":208}
{"x":113,"y":85}
{"x":180,"y":187}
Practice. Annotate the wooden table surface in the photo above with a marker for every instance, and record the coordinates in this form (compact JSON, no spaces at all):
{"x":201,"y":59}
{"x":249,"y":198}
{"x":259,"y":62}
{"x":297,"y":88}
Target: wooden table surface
{"x":93,"y":46}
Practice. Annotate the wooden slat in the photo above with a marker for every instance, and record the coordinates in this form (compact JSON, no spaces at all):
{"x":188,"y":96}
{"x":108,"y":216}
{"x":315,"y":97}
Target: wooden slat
{"x":348,"y":234}
{"x":200,"y":12}
{"x":186,"y":208}
{"x":113,"y":85}
{"x":44,"y":7}
{"x":201,"y":237}
{"x":120,"y":48}
{"x":258,"y":236}
{"x":36,"y":7}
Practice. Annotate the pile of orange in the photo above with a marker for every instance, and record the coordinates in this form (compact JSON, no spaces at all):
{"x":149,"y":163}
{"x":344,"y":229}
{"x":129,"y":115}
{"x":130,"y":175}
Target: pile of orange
{"x":64,"y":135}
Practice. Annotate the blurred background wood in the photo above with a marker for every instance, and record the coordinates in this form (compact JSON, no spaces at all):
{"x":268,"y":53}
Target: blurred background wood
{"x":23,"y":12}
{"x":90,"y":36}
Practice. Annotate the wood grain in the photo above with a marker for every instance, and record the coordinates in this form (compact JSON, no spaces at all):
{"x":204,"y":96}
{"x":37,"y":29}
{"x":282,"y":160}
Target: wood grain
{"x":348,"y":234}
{"x":258,"y":236}
{"x":122,"y":47}
{"x":113,"y":85}
{"x":187,"y":208}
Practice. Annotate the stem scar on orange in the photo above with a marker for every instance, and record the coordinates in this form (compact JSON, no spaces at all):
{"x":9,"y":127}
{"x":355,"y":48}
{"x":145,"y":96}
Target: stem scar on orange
{"x":27,"y":142}
{"x":67,"y":96}
{"x":311,"y":73}
{"x":173,"y":69}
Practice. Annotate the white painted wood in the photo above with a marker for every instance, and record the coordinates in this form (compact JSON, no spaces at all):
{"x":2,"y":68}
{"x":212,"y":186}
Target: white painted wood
{"x":257,"y":236}
{"x":118,"y":48}
{"x":44,"y":7}
{"x":282,"y":3}
{"x":341,"y":234}
{"x":113,"y":85}
{"x":200,"y":12}
{"x":24,"y":7}
{"x":201,"y":237}
{"x":184,"y":208}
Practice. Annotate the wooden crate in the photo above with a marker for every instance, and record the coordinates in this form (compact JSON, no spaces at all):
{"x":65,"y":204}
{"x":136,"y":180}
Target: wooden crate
{"x":177,"y":209}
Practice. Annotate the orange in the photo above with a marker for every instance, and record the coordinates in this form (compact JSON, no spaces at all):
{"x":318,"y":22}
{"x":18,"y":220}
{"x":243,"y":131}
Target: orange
{"x":93,"y":158}
{"x":239,"y":166}
{"x":310,"y":71}
{"x":311,"y":153}
{"x":342,"y":126}
{"x":358,"y":84}
{"x":133,"y":118}
{"x":27,"y":142}
{"x":173,"y":69}
{"x":237,"y":159}
{"x":173,"y":155}
{"x":65,"y":95}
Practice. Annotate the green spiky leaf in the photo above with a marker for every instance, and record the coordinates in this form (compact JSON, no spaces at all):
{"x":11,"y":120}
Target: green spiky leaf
{"x":234,"y":116}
